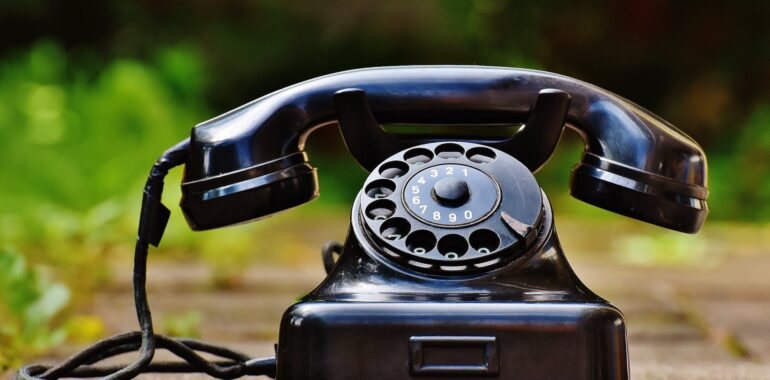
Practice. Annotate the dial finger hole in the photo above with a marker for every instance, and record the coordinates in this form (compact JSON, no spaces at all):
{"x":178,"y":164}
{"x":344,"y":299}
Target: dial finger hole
{"x":420,"y":242}
{"x":381,"y":209}
{"x":449,"y":151}
{"x":418,"y":156}
{"x":380,"y":188}
{"x":453,"y":246}
{"x":395,"y":229}
{"x":394,"y":169}
{"x":484,"y":241}
{"x":481,"y":155}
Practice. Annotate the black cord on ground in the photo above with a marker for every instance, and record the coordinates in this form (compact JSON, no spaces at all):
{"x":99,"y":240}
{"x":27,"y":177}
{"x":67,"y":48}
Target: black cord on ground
{"x":152,"y":223}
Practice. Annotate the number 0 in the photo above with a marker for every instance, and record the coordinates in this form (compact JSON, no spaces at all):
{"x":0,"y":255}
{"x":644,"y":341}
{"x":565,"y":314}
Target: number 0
{"x":468,"y":214}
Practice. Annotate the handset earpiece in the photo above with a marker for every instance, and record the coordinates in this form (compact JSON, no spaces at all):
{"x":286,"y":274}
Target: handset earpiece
{"x":636,"y":164}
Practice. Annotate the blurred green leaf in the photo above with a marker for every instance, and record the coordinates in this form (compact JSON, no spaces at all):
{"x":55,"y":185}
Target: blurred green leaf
{"x":28,"y":306}
{"x":740,"y":184}
{"x":51,"y":301}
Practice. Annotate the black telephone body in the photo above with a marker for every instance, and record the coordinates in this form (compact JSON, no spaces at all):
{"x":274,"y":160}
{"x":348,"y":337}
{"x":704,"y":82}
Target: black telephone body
{"x":452,"y":267}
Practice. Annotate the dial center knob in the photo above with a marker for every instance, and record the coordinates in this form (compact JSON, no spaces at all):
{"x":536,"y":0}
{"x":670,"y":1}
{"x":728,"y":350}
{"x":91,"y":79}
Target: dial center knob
{"x":451,"y":191}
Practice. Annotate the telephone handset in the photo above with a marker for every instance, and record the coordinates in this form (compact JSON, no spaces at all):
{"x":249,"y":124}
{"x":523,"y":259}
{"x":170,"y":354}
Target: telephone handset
{"x":249,"y":162}
{"x":452,"y":267}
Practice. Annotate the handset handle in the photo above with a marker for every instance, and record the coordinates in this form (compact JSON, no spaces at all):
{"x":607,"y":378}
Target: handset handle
{"x":369,"y":143}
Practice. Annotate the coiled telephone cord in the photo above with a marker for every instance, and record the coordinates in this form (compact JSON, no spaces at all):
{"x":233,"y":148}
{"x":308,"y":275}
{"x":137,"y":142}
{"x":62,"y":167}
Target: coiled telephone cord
{"x":152,"y":222}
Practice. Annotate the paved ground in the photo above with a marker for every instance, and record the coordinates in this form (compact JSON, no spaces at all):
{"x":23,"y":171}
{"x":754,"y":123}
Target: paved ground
{"x":685,"y":322}
{"x":690,"y":324}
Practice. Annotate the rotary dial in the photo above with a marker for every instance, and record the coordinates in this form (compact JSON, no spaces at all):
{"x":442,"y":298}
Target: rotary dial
{"x":451,"y":207}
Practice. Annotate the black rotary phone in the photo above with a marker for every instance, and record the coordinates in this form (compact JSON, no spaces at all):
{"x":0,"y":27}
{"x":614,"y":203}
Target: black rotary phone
{"x":452,"y":267}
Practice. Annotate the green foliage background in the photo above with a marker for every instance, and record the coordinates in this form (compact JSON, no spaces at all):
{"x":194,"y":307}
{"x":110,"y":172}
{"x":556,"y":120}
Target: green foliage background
{"x":91,"y":93}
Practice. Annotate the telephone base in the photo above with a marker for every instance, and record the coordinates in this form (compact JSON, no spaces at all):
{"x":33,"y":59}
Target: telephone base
{"x":469,"y":340}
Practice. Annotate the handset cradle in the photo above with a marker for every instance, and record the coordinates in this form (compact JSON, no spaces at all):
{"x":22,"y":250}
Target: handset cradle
{"x":370,"y":144}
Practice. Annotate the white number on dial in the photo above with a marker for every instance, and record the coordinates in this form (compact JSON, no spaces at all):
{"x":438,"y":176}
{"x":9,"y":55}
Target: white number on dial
{"x":423,"y":208}
{"x":415,"y":189}
{"x":434,"y":173}
{"x":416,"y":199}
{"x":468,"y":214}
{"x":449,"y":170}
{"x":452,"y":217}
{"x":436,"y":215}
